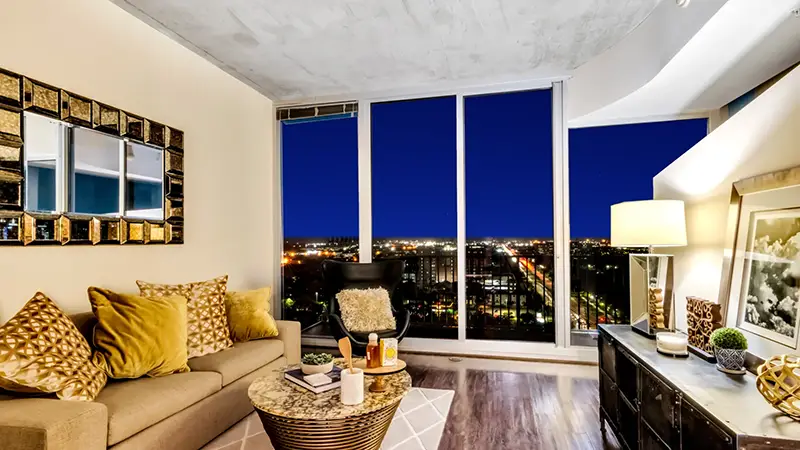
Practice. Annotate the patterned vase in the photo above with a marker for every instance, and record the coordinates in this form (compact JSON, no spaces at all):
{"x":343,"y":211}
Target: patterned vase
{"x":730,"y":360}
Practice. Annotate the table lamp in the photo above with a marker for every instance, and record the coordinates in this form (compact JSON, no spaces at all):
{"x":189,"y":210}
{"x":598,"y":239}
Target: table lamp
{"x":649,"y":224}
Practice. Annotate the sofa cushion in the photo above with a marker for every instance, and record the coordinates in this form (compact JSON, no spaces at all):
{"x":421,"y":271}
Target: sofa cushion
{"x":42,"y":351}
{"x":248,"y":315}
{"x":207,"y":321}
{"x":134,"y":405}
{"x":239,"y":360}
{"x":137,"y":336}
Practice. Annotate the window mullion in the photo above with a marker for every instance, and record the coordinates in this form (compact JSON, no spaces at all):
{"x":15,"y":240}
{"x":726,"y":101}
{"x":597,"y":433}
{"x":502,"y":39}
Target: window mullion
{"x":364,"y":181}
{"x":561,"y":218}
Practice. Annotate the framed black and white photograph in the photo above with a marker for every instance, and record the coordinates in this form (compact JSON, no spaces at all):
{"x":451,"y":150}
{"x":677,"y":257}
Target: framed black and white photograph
{"x":770,"y":293}
{"x":760,"y":283}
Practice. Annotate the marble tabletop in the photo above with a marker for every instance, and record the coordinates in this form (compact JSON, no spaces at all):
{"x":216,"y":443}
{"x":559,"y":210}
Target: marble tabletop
{"x":275,"y":395}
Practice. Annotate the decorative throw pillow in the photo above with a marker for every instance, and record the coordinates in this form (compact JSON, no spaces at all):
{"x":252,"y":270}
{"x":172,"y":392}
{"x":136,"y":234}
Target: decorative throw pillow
{"x":248,"y":315}
{"x":366,"y":310}
{"x":42,"y":351}
{"x":137,"y":336}
{"x":207,"y":322}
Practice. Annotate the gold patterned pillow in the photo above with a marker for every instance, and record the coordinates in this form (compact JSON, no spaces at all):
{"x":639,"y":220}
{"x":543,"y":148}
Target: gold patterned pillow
{"x":42,"y":351}
{"x":207,"y":321}
{"x":366,"y":310}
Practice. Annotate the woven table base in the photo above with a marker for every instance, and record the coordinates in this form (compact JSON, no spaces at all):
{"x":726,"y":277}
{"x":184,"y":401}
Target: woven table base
{"x":364,"y":432}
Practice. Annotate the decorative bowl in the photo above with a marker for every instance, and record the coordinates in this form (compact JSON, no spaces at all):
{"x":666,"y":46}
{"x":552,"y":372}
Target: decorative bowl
{"x":311,"y":369}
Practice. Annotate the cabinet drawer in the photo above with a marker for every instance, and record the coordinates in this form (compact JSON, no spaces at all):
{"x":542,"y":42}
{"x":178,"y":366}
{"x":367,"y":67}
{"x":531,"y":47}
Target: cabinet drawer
{"x":608,"y":399}
{"x":608,"y":357}
{"x":658,"y":407}
{"x":628,"y":424}
{"x":627,"y":371}
{"x":702,"y":433}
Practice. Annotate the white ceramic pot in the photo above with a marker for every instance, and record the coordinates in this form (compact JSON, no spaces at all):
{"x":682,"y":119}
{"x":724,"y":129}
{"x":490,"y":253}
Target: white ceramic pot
{"x":730,"y":360}
{"x":311,"y":369}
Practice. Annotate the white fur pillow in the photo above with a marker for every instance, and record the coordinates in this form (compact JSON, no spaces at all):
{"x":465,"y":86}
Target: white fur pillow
{"x":366,"y":310}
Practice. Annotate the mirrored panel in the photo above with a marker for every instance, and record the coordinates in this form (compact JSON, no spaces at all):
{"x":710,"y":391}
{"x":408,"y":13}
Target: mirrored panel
{"x":44,"y":153}
{"x":77,"y":171}
{"x":94,"y":173}
{"x":651,"y":293}
{"x":144,"y":193}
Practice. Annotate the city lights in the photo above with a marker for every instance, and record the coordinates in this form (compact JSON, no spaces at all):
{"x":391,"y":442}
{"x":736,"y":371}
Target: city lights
{"x":509,"y":284}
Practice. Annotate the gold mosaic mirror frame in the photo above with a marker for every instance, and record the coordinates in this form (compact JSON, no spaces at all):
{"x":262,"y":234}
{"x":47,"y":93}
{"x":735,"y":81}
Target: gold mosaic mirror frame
{"x":19,"y":227}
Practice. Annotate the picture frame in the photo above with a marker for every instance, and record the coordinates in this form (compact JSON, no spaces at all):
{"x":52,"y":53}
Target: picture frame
{"x":760,"y":287}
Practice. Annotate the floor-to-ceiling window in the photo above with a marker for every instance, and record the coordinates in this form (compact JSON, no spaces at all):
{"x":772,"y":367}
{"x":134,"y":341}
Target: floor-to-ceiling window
{"x":509,"y":216}
{"x":608,"y":165}
{"x":320,"y":211}
{"x":414,"y":207}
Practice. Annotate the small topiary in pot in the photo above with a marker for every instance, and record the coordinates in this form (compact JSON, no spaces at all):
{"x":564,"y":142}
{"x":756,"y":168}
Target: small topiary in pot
{"x":730,"y":347}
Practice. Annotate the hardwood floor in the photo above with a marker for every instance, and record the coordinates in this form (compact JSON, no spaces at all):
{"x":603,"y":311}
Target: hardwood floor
{"x":514,"y":405}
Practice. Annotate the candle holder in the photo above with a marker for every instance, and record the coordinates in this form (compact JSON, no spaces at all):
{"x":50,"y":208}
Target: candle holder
{"x":672,"y":344}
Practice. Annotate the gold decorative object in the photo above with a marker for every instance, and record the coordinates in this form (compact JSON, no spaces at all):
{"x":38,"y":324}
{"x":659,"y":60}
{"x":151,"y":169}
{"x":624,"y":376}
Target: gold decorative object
{"x":174,"y":139}
{"x":10,"y":126}
{"x":10,"y":89}
{"x":132,"y":127}
{"x":174,"y":163}
{"x":153,"y":233}
{"x":10,"y":158}
{"x":656,"y":308}
{"x":75,"y":109}
{"x":154,"y":133}
{"x":702,"y":317}
{"x":40,"y":98}
{"x":10,"y":228}
{"x":105,"y":118}
{"x":18,"y":94}
{"x":10,"y":190}
{"x":779,"y":382}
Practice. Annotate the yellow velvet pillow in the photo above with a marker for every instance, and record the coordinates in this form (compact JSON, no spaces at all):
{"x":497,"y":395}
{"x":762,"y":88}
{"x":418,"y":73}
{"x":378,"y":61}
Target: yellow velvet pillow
{"x":248,"y":315}
{"x":137,"y":336}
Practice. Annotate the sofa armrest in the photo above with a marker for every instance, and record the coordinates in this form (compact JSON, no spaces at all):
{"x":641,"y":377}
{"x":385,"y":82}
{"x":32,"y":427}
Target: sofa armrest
{"x":49,"y":424}
{"x":289,"y":333}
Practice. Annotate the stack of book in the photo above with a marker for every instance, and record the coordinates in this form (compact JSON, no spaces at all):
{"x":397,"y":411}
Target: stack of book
{"x":317,"y":383}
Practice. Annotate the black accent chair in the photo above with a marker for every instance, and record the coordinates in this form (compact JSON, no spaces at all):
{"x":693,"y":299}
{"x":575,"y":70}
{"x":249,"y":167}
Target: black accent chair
{"x":387,"y":274}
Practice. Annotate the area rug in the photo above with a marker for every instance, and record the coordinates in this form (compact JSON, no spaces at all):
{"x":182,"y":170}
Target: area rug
{"x":417,"y":425}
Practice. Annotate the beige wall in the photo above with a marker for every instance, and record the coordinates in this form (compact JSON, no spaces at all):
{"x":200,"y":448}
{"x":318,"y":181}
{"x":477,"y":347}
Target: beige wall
{"x":763,"y":137}
{"x":94,"y":48}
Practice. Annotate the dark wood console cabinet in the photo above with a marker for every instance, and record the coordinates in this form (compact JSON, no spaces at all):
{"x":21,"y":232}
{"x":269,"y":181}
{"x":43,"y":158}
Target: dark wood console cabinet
{"x":656,"y":402}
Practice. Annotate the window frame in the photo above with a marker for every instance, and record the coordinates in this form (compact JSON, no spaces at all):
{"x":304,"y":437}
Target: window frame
{"x":561,"y":349}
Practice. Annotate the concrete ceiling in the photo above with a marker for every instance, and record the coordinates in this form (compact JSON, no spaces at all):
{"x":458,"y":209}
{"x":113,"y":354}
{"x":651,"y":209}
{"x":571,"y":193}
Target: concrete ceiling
{"x":743,"y":45}
{"x":306,"y":49}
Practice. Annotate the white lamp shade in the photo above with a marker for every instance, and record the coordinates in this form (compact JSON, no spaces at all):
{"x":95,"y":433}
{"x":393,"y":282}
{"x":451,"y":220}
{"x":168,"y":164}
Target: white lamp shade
{"x":657,"y":223}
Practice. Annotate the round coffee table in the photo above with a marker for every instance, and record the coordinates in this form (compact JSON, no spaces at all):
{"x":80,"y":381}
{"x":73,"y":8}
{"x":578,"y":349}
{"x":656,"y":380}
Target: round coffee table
{"x":296,"y":419}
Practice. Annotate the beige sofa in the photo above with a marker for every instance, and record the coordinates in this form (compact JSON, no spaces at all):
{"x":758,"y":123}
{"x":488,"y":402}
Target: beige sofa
{"x":181,"y":411}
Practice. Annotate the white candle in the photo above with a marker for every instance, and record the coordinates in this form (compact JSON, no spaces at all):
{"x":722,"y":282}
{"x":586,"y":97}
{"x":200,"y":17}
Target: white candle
{"x":352,"y":390}
{"x":672,"y":342}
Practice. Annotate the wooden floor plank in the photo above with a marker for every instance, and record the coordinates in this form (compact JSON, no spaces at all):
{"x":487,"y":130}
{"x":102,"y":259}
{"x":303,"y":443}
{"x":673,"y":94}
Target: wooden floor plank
{"x":514,"y":410}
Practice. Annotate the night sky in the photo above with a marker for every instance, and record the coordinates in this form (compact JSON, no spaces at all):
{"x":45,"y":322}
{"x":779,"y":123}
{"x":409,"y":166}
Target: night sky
{"x":508,"y":169}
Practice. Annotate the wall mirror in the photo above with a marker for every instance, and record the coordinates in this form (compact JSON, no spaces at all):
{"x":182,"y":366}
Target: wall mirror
{"x":651,"y":293}
{"x":76,"y":171}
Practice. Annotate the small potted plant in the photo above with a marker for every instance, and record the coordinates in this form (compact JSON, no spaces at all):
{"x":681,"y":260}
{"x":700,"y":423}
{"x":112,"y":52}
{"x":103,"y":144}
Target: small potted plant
{"x":316,"y":363}
{"x":730,"y":347}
